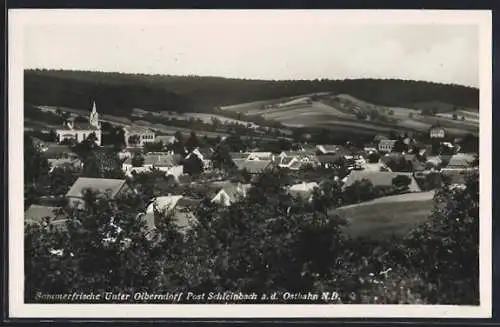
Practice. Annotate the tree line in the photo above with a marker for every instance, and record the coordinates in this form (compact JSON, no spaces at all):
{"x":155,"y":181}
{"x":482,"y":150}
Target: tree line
{"x":117,"y":93}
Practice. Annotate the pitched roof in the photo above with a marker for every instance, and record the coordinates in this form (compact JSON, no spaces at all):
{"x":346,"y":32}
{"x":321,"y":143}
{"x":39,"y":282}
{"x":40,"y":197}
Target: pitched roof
{"x":160,"y":160}
{"x":239,"y":155}
{"x":327,"y":158}
{"x":36,"y":213}
{"x":100,"y":185}
{"x":135,"y":129}
{"x":304,"y":187}
{"x":181,"y":217}
{"x":162,"y":203}
{"x":461,"y":160}
{"x":234,"y":190}
{"x":379,"y":178}
{"x":253,"y":166}
{"x":286,"y":160}
{"x":328,"y":147}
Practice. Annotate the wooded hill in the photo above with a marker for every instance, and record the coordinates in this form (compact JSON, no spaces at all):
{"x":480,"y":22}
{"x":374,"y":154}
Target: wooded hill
{"x":118,"y":93}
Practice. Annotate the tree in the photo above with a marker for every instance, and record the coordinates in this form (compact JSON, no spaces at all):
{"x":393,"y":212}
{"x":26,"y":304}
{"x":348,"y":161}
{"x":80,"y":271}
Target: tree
{"x":153,"y":147}
{"x":137,"y":160}
{"x":193,"y":165}
{"x":358,"y":191}
{"x":134,"y":140}
{"x":401,"y":182}
{"x":373,"y":157}
{"x":192,"y":142}
{"x":222,"y":158}
{"x":450,"y":258}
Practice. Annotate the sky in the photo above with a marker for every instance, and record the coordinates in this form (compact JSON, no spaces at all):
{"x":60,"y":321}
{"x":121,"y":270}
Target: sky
{"x":256,"y":45}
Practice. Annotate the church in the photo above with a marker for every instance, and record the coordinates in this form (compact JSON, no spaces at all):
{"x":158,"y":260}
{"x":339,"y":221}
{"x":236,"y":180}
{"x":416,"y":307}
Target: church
{"x":80,"y":131}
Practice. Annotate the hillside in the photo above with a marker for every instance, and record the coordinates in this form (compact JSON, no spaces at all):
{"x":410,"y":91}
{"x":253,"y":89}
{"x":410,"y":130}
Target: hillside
{"x":118,"y":93}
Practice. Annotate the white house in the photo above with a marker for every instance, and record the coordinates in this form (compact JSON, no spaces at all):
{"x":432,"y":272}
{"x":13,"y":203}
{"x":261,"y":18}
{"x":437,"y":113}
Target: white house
{"x":230,"y":193}
{"x":163,"y":161}
{"x":303,"y":189}
{"x":255,"y":156}
{"x":386,"y":145}
{"x":81,"y":131}
{"x":137,"y":136}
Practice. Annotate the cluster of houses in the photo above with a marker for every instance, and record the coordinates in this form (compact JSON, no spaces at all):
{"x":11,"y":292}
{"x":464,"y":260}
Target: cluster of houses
{"x":226,"y":192}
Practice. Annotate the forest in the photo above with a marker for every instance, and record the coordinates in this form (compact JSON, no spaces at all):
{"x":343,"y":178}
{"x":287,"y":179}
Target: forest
{"x":119,"y":93}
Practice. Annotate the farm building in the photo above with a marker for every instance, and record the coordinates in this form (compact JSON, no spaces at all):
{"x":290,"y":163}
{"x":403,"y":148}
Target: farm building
{"x":168,"y":163}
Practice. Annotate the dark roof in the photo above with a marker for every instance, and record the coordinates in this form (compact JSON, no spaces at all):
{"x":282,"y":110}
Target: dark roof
{"x":100,"y":185}
{"x":135,"y":129}
{"x":36,"y":214}
{"x":379,"y":178}
{"x":328,"y":158}
{"x":253,"y":166}
{"x":461,"y":160}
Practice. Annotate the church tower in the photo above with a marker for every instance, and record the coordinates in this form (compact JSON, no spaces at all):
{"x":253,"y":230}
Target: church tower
{"x":94,"y":117}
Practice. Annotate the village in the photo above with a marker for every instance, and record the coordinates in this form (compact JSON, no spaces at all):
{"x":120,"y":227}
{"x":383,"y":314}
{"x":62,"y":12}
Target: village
{"x":176,"y":174}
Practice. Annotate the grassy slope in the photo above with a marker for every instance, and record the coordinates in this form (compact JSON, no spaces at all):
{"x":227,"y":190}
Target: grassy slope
{"x":385,"y":216}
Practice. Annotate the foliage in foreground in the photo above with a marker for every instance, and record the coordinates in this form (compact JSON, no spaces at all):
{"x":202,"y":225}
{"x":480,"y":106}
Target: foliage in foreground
{"x":267,"y":242}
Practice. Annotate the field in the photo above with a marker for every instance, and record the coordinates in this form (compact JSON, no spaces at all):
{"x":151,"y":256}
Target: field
{"x":337,"y":112}
{"x":386,"y":216}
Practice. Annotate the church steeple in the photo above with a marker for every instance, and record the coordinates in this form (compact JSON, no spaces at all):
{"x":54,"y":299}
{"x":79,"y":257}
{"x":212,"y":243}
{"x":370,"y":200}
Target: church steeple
{"x":94,"y":116}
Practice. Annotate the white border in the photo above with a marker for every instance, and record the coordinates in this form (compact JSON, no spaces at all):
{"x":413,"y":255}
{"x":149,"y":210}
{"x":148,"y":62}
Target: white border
{"x":17,"y":309}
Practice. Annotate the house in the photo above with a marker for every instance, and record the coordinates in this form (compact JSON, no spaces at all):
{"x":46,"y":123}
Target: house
{"x":296,"y":159}
{"x":137,"y":136}
{"x":178,"y":207}
{"x":239,"y":155}
{"x":386,"y":145}
{"x":378,"y":178}
{"x":166,"y":162}
{"x":303,"y":190}
{"x":292,"y":163}
{"x":461,"y":161}
{"x":230,"y":193}
{"x":260,"y":156}
{"x":36,"y":214}
{"x":166,"y":139}
{"x":204,"y":154}
{"x":112,"y":187}
{"x":253,"y":166}
{"x":70,"y":163}
{"x":125,"y":154}
{"x":436,"y":132}
{"x":327,"y":149}
{"x":329,"y":161}
{"x":81,"y":131}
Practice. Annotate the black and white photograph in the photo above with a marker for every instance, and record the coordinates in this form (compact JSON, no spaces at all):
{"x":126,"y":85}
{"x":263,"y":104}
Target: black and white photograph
{"x":251,"y":163}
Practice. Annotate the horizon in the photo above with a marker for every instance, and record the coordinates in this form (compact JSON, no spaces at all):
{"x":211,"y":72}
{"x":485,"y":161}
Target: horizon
{"x":257,"y":44}
{"x":246,"y":79}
